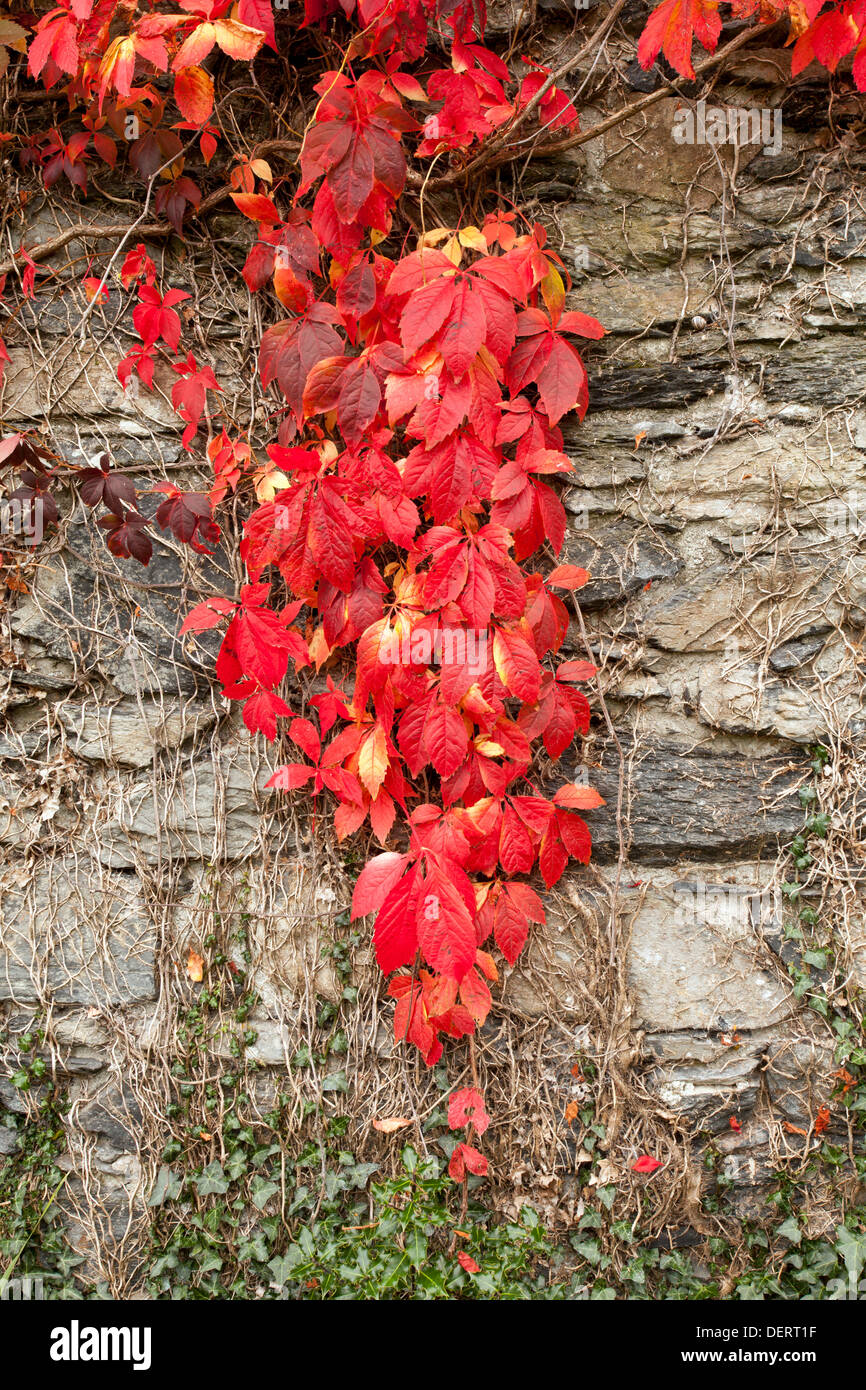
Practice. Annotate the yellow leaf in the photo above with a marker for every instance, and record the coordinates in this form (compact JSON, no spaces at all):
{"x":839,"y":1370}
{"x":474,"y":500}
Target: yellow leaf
{"x":13,"y":36}
{"x":318,"y":648}
{"x":262,"y":169}
{"x":798,"y":18}
{"x":453,"y":250}
{"x":489,"y":749}
{"x":373,"y":760}
{"x":434,"y":236}
{"x":269,"y":484}
{"x":553,"y":292}
{"x":195,"y":967}
{"x":473,"y":238}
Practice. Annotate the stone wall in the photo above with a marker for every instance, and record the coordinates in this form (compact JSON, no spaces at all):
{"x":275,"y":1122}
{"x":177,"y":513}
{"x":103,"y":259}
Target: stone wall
{"x":720,"y":480}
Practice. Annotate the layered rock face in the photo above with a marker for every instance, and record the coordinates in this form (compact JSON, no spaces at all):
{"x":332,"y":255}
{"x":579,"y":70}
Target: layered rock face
{"x":719,"y":502}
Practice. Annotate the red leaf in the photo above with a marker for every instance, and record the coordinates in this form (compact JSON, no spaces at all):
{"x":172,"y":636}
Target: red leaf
{"x":567,"y":577}
{"x":670,"y":27}
{"x":561,"y":381}
{"x":446,"y":932}
{"x":645,"y":1164}
{"x":466,"y":1107}
{"x":395,"y":936}
{"x":581,"y":324}
{"x":256,"y":206}
{"x":207,"y":615}
{"x":445,"y":739}
{"x":465,"y":1158}
{"x":375,"y":882}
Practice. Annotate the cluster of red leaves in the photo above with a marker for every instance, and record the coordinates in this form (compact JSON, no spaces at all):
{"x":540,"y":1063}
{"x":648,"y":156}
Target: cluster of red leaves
{"x":409,"y":482}
{"x":819,"y":32}
{"x":407,"y":506}
{"x":408,"y":486}
{"x":466,"y":1111}
{"x":462,"y":367}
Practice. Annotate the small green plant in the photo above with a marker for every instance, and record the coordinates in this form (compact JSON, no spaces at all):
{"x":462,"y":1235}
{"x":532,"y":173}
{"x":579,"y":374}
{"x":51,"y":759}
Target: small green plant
{"x":33,"y":1241}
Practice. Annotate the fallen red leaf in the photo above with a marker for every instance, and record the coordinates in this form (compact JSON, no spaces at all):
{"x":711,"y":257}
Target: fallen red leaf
{"x":646,"y":1164}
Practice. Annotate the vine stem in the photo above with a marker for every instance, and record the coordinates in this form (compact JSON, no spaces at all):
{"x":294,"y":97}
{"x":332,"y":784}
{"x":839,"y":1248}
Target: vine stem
{"x":620,"y":863}
{"x":497,"y":155}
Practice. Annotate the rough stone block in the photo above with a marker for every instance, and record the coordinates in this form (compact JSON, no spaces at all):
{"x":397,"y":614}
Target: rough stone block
{"x":694,"y":960}
{"x":74,"y":933}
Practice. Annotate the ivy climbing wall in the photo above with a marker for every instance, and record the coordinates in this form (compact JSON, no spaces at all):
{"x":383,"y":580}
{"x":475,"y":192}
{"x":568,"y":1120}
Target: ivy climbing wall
{"x":719,"y":503}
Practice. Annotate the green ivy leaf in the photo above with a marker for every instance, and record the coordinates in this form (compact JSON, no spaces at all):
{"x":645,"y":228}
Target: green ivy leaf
{"x":212,"y":1180}
{"x":167,"y":1187}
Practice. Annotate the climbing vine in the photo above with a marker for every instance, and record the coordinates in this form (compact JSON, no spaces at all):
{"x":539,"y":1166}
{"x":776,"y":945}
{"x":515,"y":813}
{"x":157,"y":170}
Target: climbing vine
{"x":402,"y":531}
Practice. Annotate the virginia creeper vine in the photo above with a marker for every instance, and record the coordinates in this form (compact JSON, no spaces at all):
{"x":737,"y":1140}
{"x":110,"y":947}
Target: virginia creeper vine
{"x":404,"y":523}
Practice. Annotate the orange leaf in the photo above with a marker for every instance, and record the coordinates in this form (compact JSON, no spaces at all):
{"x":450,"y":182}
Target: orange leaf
{"x":390,"y":1126}
{"x":195,"y":966}
{"x":193,"y":92}
{"x":257,"y":206}
{"x":578,"y":798}
{"x":568,"y":577}
{"x":92,"y":284}
{"x":237,"y":40}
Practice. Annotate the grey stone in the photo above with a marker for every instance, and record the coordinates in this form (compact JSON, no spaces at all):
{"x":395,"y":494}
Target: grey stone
{"x":708,"y":1094}
{"x":9,"y":1141}
{"x":655,"y":388}
{"x":735,"y":695}
{"x":116,"y":1116}
{"x":821,"y":372}
{"x":13,"y":1099}
{"x":620,"y":562}
{"x":702,"y":613}
{"x":695,"y":803}
{"x":210,"y":811}
{"x":799,"y":1079}
{"x":130,"y":731}
{"x":631,"y":305}
{"x":82,"y":385}
{"x":80,"y":1063}
{"x":74,"y":933}
{"x":271,"y":1047}
{"x":114,"y":618}
{"x":694,"y":962}
{"x":791,"y":655}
